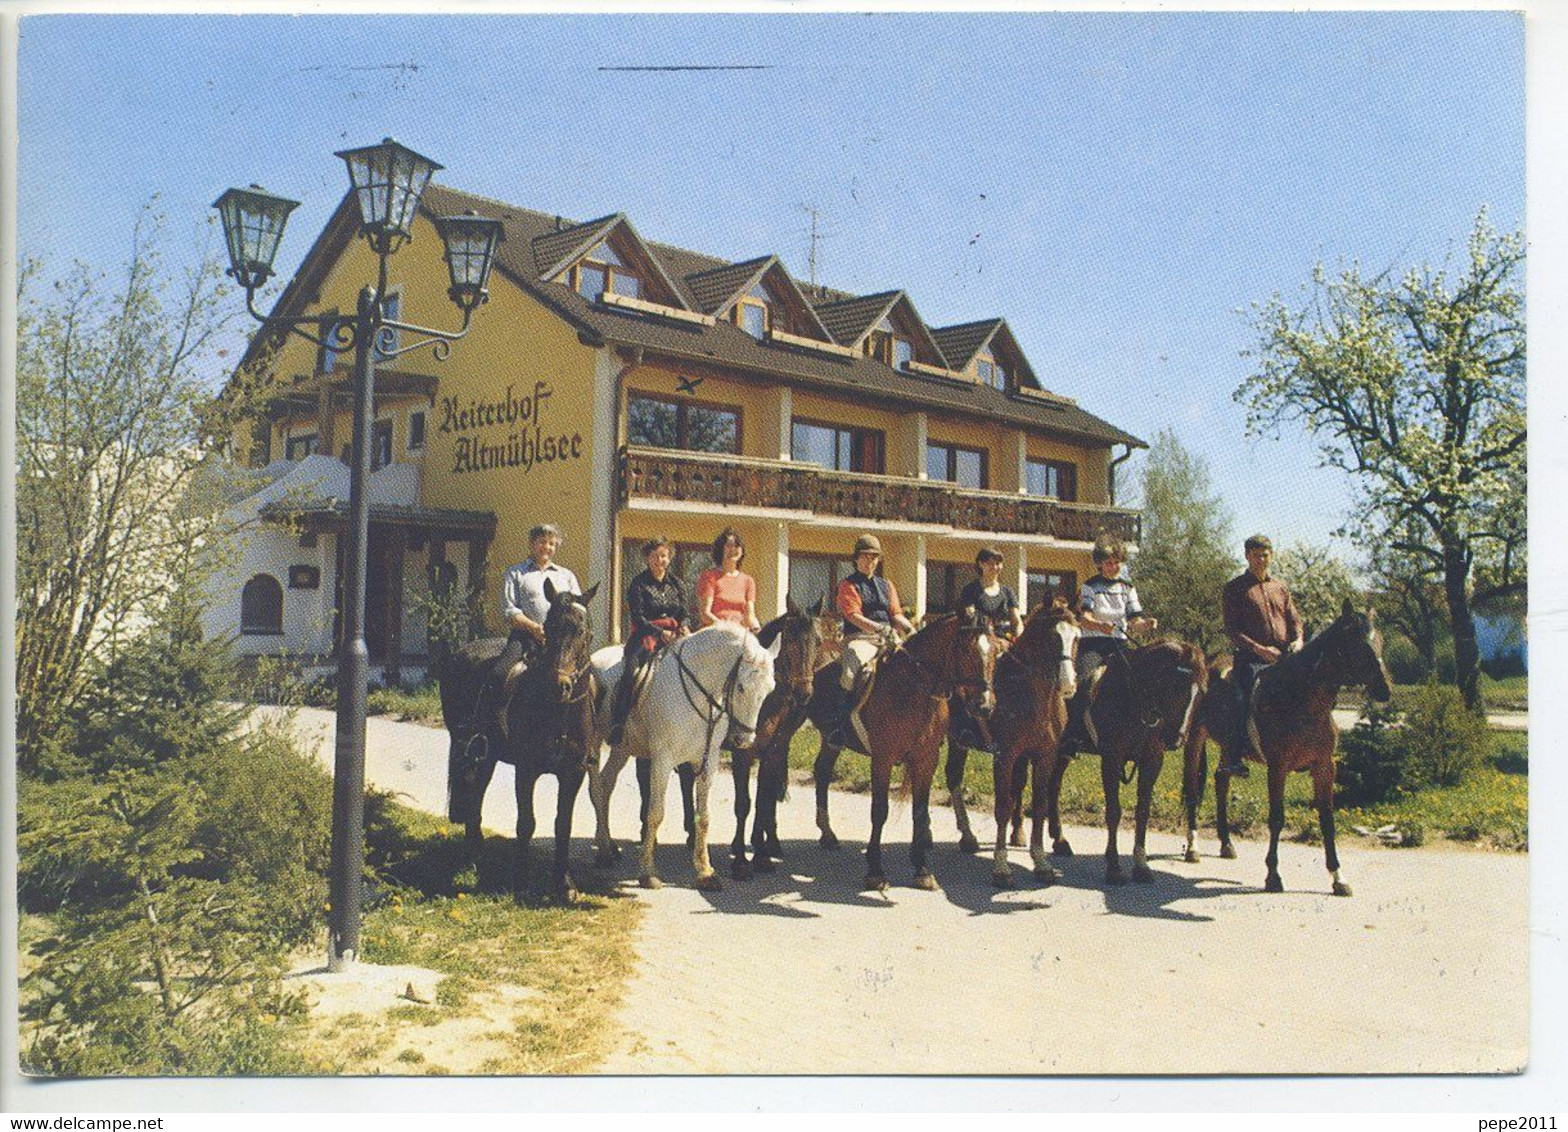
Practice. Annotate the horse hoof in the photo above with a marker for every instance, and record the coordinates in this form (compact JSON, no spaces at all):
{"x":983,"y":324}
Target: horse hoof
{"x":1190,"y":856}
{"x":968,"y":843}
{"x":710,"y":883}
{"x":1341,"y":888}
{"x":828,"y":841}
{"x":1060,"y":848}
{"x":926,"y":882}
{"x":1045,"y":874}
{"x":1002,"y":880}
{"x":1143,"y":874}
{"x":650,"y":882}
{"x":875,"y":883}
{"x":765,"y":865}
{"x":1273,"y":884}
{"x":1115,"y":876}
{"x":740,"y":869}
{"x":1228,"y":851}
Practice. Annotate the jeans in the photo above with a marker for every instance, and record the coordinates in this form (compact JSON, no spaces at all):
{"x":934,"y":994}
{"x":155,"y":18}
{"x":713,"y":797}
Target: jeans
{"x":1244,"y":676}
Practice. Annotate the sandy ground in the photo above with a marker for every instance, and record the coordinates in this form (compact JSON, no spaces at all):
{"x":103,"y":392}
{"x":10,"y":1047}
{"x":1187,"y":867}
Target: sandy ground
{"x":1424,"y":970}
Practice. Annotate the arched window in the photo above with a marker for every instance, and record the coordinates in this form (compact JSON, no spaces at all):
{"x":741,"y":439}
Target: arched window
{"x":261,"y":606}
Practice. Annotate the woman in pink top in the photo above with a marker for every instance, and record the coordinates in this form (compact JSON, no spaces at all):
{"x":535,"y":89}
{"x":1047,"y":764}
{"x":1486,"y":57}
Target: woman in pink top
{"x":724,"y":593}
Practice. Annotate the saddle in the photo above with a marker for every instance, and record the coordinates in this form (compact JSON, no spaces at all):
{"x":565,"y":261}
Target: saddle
{"x":1088,"y":738}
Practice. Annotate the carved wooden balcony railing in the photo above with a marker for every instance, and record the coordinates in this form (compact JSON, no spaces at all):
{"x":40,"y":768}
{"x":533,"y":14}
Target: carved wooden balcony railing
{"x":782,"y":485}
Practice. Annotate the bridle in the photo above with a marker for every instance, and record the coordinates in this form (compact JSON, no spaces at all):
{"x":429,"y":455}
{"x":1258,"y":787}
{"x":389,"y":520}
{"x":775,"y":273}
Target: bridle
{"x":713,"y":709}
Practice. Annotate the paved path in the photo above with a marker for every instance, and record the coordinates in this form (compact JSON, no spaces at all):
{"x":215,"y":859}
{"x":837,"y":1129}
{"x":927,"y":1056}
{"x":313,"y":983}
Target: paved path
{"x":1497,"y":720}
{"x":1424,"y":970}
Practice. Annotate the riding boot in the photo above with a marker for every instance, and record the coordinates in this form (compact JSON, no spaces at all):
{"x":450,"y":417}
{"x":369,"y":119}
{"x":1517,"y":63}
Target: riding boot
{"x":1076,"y":733}
{"x":622,"y":706}
{"x":1233,"y":754}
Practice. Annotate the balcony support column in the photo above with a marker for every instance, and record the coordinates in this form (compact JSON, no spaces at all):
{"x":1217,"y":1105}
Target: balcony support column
{"x":912,"y":454}
{"x":1014,"y":476}
{"x":778,"y":424}
{"x":780,"y":569}
{"x":1021,"y":577}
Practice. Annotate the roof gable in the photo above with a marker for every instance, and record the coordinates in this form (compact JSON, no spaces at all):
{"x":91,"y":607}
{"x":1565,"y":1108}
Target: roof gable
{"x":555,"y":251}
{"x":850,"y":320}
{"x":718,"y":288}
{"x":962,"y":342}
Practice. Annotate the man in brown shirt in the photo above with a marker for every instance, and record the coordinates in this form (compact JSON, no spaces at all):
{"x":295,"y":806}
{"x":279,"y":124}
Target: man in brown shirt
{"x":1262,"y":623}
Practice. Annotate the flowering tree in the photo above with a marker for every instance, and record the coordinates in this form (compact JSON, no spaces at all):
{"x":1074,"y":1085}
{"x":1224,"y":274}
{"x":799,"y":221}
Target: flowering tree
{"x":1417,"y":389}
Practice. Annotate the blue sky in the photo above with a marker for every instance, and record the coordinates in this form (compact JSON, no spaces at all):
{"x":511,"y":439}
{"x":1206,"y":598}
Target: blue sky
{"x":1119,"y":186}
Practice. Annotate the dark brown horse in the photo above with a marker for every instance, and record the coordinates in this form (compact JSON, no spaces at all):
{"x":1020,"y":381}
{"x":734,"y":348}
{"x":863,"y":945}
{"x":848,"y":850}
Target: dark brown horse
{"x":904,"y":720}
{"x":550,"y":726}
{"x":1291,"y":728}
{"x":1144,"y":705}
{"x":1034,"y":681}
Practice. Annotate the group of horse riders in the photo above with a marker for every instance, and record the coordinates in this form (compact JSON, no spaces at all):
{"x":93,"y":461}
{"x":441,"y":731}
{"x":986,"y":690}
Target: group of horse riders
{"x":1260,"y":619}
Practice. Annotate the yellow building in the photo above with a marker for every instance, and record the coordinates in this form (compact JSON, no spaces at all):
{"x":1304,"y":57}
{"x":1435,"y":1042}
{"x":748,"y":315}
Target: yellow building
{"x":621,"y":389}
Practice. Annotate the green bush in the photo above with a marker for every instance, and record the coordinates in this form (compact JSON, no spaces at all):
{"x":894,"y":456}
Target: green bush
{"x":1371,"y":761}
{"x":1442,"y":740}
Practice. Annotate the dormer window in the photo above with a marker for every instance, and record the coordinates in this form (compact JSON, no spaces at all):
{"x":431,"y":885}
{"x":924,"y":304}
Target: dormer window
{"x":884,"y":344}
{"x":602,"y":270}
{"x":991,"y":372}
{"x":754,"y":312}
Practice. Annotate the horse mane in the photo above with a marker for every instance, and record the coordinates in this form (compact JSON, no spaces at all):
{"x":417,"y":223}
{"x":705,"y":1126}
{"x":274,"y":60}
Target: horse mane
{"x":773,"y":628}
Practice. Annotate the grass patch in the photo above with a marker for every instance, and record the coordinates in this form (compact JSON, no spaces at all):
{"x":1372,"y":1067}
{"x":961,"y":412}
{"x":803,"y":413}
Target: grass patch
{"x":527,"y":990}
{"x":1490,"y":808}
{"x":1511,"y":693}
{"x":413,"y":705}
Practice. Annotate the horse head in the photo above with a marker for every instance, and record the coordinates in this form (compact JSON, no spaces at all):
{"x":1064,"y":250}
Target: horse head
{"x":964,"y":655}
{"x":750,"y":684}
{"x":1049,"y":642}
{"x":1176,"y":679}
{"x":800,"y":640}
{"x":1358,"y":650}
{"x":568,"y":632}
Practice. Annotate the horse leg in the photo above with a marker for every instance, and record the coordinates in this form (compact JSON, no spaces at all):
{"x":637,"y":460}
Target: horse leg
{"x":473,"y":830}
{"x":1272,"y":882}
{"x":569,"y":784}
{"x":1323,"y":798}
{"x":740,"y":770}
{"x":772,"y":774}
{"x":702,"y":779}
{"x":1059,"y":844}
{"x":1016,"y":840}
{"x":643,"y":791}
{"x":827,"y":761}
{"x":658,"y":784}
{"x":920,"y":843}
{"x":1148,"y":772}
{"x":1111,"y":782}
{"x":1002,"y":779}
{"x":1195,"y":770}
{"x":1222,"y":811}
{"x":525,"y":834}
{"x":601,"y":784}
{"x":957,"y":756}
{"x":687,"y":773}
{"x":881,"y":781}
{"x":1038,"y":812}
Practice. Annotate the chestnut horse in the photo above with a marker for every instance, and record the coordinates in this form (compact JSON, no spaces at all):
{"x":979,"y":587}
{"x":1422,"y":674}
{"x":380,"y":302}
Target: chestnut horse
{"x":1034,"y":681}
{"x":1144,"y":706}
{"x":1291,"y":727}
{"x":904,"y":719}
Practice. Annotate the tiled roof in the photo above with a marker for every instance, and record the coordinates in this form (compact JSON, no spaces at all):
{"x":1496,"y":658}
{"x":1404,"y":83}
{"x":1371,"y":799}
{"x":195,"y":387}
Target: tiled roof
{"x":961,"y":343}
{"x":723,"y":344}
{"x":712,"y":289}
{"x":556,"y":248}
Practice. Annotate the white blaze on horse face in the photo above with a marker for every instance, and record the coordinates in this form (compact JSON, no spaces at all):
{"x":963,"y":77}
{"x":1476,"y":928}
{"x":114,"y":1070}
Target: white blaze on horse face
{"x":1186,"y":719}
{"x":1066,"y":675}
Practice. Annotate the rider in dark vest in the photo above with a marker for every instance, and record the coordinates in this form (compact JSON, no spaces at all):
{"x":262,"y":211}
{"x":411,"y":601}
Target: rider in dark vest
{"x":1263,"y":624}
{"x":871,"y":611}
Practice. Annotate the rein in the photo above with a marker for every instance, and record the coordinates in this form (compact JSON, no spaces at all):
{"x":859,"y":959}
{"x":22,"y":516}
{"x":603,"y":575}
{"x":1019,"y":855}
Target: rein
{"x":715,"y":709}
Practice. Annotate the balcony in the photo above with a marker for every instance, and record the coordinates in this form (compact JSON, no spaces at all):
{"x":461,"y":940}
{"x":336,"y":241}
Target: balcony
{"x":781,"y":485}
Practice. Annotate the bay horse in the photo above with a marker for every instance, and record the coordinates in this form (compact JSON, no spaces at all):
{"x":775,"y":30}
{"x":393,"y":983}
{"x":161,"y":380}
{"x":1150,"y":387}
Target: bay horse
{"x":702,"y":688}
{"x":781,"y":716}
{"x":1034,"y":681}
{"x":1144,"y":706}
{"x":551,"y":730}
{"x":904,"y":719}
{"x":1291,"y":727}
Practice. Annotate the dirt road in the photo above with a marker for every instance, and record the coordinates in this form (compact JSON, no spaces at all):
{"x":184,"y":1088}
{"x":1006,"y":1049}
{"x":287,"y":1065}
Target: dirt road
{"x":1424,"y":970}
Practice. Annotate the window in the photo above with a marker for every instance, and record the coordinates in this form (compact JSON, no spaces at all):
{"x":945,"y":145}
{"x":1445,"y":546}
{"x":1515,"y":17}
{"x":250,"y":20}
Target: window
{"x":842,"y":449}
{"x":602,"y":270}
{"x":991,"y":372}
{"x":754,"y":312}
{"x":416,"y":431}
{"x":380,"y":444}
{"x":261,"y":607}
{"x":956,"y":464}
{"x":391,"y":307}
{"x":814,"y":576}
{"x":944,"y":582}
{"x":1051,"y":479}
{"x":298,"y":447}
{"x":885,"y":346}
{"x":1043,"y":582}
{"x":654,"y":422}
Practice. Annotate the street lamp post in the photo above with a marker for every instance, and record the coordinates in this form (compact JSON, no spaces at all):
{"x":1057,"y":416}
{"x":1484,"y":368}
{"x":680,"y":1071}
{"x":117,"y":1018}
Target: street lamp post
{"x":387,"y":181}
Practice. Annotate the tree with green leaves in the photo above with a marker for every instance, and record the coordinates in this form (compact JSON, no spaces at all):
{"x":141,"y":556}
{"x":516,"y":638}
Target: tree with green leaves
{"x":1416,"y":388}
{"x":1184,"y":555}
{"x":1319,"y":582}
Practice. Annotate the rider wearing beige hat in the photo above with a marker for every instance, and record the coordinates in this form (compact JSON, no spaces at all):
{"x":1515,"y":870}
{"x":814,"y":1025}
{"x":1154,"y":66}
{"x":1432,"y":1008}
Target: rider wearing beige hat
{"x":869,"y":605}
